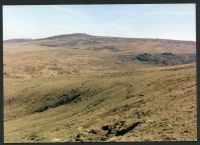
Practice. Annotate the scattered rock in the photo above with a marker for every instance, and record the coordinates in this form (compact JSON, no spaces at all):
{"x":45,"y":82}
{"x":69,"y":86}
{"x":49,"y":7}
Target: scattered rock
{"x":165,"y":58}
{"x":105,"y":132}
{"x":92,"y":131}
{"x":120,"y":128}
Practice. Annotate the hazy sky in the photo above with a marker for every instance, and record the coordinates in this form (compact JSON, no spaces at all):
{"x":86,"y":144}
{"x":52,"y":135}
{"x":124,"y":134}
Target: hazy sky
{"x":168,"y":21}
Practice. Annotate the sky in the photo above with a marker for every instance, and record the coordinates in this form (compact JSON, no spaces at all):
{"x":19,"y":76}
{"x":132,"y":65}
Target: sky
{"x":164,"y":21}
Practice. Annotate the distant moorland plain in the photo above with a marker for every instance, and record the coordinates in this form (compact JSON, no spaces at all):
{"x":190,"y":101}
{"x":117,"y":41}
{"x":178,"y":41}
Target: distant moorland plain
{"x":79,"y":87}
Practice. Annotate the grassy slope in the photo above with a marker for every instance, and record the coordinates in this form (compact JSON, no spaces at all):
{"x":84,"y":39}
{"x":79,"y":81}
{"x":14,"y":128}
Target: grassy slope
{"x":69,"y":88}
{"x":161,"y":99}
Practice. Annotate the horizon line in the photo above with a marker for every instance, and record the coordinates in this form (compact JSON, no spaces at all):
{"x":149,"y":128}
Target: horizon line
{"x":40,"y":38}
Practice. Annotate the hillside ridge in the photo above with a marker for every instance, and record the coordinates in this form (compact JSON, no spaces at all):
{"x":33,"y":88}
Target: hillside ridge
{"x":61,"y":36}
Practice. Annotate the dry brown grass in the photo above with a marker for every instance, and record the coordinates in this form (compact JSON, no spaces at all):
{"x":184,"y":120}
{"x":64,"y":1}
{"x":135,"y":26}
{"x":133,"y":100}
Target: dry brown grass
{"x":84,"y":94}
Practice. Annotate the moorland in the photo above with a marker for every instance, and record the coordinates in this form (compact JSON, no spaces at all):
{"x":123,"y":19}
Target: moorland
{"x":79,"y":87}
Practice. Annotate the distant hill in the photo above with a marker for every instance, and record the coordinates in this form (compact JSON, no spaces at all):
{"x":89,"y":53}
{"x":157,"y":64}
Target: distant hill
{"x":87,"y":52}
{"x":66,"y":36}
{"x":17,"y":40}
{"x":84,"y":35}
